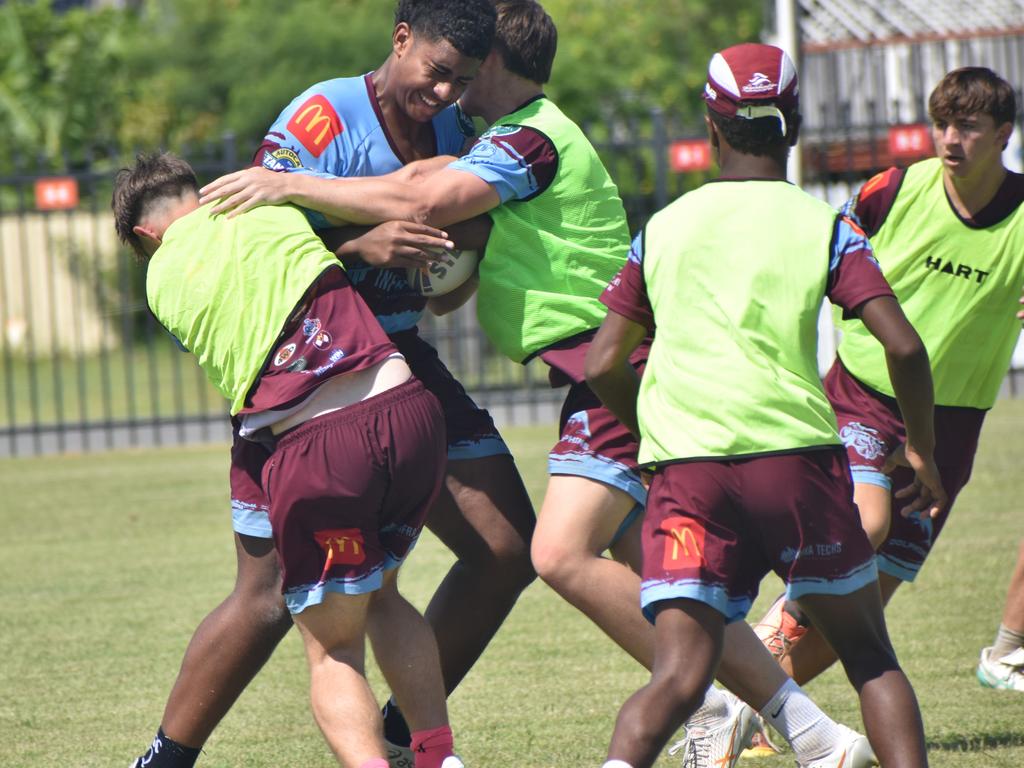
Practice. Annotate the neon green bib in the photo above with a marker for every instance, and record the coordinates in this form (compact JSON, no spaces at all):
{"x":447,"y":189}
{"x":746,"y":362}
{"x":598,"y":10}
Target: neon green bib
{"x":226,"y":287}
{"x":958,"y":286}
{"x":736,"y":272}
{"x":549,"y":258}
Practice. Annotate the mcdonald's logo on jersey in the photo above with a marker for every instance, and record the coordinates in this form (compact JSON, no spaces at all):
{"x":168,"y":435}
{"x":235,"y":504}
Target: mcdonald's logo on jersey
{"x":315,"y":124}
{"x":684,"y":543}
{"x":344,"y":546}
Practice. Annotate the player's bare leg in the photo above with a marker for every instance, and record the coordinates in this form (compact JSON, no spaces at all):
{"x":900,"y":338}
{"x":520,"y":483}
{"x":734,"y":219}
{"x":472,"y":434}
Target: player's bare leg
{"x":230,"y":646}
{"x":484,"y":516}
{"x":688,"y":637}
{"x":812,"y":655}
{"x":854,"y":626}
{"x":578,"y":519}
{"x":333,"y":633}
{"x":1013,"y":613}
{"x":406,"y":652}
{"x":875,"y":505}
{"x":747,"y":668}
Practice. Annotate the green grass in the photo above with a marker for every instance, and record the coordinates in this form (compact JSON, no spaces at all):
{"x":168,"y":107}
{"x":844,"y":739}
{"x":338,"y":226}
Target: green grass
{"x":109,"y":561}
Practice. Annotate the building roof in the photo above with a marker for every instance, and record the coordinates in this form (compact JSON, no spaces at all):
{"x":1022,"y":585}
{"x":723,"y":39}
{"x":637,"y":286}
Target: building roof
{"x":836,"y":22}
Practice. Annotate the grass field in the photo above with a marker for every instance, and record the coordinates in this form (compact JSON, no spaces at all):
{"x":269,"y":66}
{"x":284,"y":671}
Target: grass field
{"x":110,"y":560}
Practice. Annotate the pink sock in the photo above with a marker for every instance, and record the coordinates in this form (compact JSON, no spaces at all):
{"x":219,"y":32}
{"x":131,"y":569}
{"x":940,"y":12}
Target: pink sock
{"x":433,"y":746}
{"x":377,"y":762}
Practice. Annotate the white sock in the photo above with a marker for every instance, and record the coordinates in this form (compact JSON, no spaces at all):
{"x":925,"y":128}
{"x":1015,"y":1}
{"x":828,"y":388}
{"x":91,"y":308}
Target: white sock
{"x":712,"y":710}
{"x":811,"y":733}
{"x":616,"y":764}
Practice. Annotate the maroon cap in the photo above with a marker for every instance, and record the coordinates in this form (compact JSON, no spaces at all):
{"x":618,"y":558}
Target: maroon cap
{"x":752,"y":80}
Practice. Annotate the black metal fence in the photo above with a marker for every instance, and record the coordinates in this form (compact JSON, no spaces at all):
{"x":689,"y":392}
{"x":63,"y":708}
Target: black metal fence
{"x":83,"y":366}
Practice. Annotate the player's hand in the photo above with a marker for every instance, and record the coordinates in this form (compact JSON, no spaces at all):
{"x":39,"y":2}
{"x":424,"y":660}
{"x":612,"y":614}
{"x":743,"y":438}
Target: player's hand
{"x":926,"y":494}
{"x":242,"y":190}
{"x":1020,"y":314}
{"x":401,"y":244}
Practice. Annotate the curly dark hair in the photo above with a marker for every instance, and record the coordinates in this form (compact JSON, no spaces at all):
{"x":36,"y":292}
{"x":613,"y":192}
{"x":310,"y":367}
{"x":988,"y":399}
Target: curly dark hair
{"x":467,"y":24}
{"x":156,"y":177}
{"x":761,"y":137}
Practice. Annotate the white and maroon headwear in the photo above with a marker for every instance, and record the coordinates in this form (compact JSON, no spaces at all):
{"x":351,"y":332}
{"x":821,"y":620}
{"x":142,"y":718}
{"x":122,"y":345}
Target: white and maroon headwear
{"x":752,"y":80}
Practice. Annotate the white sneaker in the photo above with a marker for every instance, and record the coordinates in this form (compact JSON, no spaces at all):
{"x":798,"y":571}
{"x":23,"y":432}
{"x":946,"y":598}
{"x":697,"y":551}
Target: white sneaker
{"x":452,"y":762}
{"x":1005,"y":674}
{"x":720,"y":744}
{"x":854,"y":751}
{"x":399,"y":757}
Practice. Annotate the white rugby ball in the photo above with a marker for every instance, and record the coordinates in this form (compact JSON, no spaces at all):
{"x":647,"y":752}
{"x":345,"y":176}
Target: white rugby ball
{"x":444,"y":275}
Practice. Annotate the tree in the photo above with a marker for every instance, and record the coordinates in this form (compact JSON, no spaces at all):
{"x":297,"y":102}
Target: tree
{"x":59,"y":78}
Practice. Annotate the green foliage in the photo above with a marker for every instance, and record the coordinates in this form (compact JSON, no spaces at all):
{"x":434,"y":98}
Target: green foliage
{"x":201,"y":69}
{"x":176,"y":72}
{"x":60,"y":84}
{"x":620,"y":57}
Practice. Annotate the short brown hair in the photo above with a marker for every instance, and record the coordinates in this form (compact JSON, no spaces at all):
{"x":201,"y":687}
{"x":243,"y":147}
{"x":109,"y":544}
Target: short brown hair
{"x":971,"y":91}
{"x":155,"y":177}
{"x":526,"y":38}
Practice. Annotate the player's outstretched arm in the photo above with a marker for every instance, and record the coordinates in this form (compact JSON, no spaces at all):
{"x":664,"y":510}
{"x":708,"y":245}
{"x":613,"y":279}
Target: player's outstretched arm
{"x":437,"y":199}
{"x":608,"y":370}
{"x":911,"y":377}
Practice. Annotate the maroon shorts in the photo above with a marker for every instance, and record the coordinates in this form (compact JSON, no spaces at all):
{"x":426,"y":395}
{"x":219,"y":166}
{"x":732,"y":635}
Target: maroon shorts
{"x":349,"y":492}
{"x":871,"y":427}
{"x":470,"y":428}
{"x":713,"y":529}
{"x":595,"y":444}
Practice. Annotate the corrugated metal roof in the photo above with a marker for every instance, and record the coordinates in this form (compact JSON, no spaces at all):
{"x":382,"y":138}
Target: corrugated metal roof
{"x":826,"y":22}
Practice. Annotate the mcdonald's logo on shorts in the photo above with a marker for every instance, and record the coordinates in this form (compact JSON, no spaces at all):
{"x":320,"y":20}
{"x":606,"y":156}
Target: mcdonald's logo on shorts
{"x":315,"y":124}
{"x":344,"y":546}
{"x":684,"y":543}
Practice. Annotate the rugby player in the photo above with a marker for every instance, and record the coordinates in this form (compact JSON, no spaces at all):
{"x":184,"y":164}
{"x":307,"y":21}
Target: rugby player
{"x":371,"y":124}
{"x":948,"y":233}
{"x":749,"y":471}
{"x":356,"y":442}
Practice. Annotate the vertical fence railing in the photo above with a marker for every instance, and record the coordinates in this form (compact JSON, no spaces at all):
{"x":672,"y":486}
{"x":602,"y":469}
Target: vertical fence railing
{"x":84,"y":366}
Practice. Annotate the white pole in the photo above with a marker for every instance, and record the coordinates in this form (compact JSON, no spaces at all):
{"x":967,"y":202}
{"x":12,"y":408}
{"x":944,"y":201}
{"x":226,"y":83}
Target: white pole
{"x":787,"y":31}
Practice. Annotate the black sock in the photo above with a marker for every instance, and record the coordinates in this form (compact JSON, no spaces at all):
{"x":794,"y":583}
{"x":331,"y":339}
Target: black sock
{"x":167,"y":753}
{"x":396,"y":730}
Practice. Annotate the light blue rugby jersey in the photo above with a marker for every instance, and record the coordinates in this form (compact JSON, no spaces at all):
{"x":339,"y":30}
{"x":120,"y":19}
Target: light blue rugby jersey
{"x":335,"y":129}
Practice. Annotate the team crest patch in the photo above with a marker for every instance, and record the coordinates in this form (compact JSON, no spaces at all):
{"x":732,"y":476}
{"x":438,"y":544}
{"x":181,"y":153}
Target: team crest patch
{"x":281,"y":159}
{"x":343,"y":546}
{"x":684,"y":543}
{"x":577,"y":431}
{"x":322,"y":340}
{"x":310,"y":327}
{"x":502,"y":130}
{"x":863,"y":439}
{"x":284,"y":354}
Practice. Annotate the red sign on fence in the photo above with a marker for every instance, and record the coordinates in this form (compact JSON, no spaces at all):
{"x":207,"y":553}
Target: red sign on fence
{"x":910,"y":141}
{"x":690,"y":155}
{"x":56,"y":193}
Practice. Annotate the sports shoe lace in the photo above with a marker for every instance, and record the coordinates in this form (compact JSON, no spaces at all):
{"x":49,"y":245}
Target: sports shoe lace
{"x":697,"y":746}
